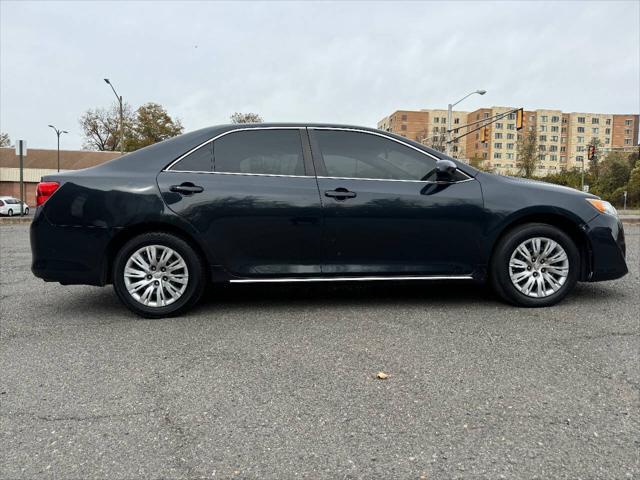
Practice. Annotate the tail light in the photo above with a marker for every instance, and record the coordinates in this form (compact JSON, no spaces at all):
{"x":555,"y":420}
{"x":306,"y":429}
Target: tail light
{"x":44,"y":191}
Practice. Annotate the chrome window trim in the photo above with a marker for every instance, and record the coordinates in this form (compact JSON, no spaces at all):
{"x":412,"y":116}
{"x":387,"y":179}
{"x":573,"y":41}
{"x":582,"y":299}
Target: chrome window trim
{"x":350,"y":279}
{"x":359,"y":130}
{"x":168,"y":167}
{"x":434,"y":182}
{"x":240,"y":174}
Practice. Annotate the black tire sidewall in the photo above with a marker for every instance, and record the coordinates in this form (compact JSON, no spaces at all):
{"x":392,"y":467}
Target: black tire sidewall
{"x":500,"y":264}
{"x":10,"y":213}
{"x":195,"y":268}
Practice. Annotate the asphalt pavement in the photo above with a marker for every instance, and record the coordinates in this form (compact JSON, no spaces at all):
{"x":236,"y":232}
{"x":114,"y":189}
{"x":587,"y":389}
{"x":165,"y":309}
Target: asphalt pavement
{"x":277,"y":381}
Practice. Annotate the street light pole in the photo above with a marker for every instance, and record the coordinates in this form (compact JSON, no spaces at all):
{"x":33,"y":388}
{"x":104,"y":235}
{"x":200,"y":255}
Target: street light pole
{"x":119,"y":97}
{"x":58,"y":133}
{"x":450,"y":114}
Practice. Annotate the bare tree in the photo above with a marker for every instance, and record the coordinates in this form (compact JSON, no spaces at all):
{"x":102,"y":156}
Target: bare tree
{"x":528,"y":154}
{"x":238,"y":117}
{"x":101,"y":127}
{"x":5,"y":141}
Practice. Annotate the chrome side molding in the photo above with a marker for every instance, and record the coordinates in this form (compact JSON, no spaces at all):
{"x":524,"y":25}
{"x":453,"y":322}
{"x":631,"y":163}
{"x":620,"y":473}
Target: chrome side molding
{"x":350,"y":279}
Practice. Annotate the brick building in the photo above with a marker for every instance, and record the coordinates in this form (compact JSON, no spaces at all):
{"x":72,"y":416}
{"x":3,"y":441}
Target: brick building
{"x":40,"y":162}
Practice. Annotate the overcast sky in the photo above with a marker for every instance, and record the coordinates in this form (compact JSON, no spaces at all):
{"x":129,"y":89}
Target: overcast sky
{"x":302,"y":61}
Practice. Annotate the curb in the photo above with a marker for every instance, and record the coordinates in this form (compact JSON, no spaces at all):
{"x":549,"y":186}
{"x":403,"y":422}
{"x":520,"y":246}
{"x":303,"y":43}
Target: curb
{"x":15,"y":220}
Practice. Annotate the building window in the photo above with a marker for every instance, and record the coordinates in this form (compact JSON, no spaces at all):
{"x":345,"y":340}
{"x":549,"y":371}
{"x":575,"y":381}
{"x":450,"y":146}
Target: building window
{"x":497,"y":145}
{"x":456,"y":121}
{"x":607,"y":131}
{"x":403,"y":127}
{"x":404,"y":118}
{"x":554,"y":138}
{"x":499,"y":126}
{"x":510,"y":136}
{"x":543,"y":138}
{"x":545,"y":118}
{"x":594,"y":131}
{"x":608,"y":122}
{"x":511,"y":126}
{"x":563,"y":149}
{"x":627,"y":141}
{"x":498,"y":135}
{"x":436,"y":120}
{"x":580,"y":148}
{"x":510,"y":146}
{"x":511,"y":116}
{"x":580,"y":119}
{"x":444,"y":120}
{"x":627,"y":131}
{"x":509,"y":156}
{"x":554,"y":128}
{"x":580,"y":139}
{"x":580,"y":129}
{"x":542,"y":148}
{"x":543,"y":128}
{"x":563,"y":159}
{"x":485,"y":155}
{"x":486,"y":114}
{"x":563,"y":139}
{"x":553,"y":148}
{"x":607,"y":140}
{"x":541,"y":157}
{"x":628,"y":122}
{"x":553,"y":158}
{"x":555,"y":119}
{"x":595,"y":121}
{"x":497,"y":155}
{"x":579,"y":158}
{"x":564,"y":119}
{"x":563,"y":130}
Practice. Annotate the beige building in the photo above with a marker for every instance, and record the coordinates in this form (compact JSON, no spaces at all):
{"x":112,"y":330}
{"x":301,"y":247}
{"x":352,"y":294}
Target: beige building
{"x":562,"y":138}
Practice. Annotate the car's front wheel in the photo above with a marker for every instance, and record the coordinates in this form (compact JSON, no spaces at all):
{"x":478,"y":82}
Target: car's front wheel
{"x":10,"y":213}
{"x":26,"y":211}
{"x":535,"y":265}
{"x":158,"y":275}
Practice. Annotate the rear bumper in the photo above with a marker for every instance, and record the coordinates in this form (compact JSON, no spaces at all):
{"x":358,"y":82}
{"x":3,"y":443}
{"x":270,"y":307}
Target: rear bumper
{"x":68,"y":255}
{"x":608,"y":249}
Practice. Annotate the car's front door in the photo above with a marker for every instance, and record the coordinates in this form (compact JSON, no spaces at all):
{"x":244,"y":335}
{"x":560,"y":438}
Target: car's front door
{"x":254,"y":199}
{"x":384,"y":212}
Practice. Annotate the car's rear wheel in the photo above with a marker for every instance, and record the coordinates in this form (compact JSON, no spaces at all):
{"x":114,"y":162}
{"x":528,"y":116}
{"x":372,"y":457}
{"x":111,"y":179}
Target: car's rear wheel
{"x":535,"y":265}
{"x":10,"y":213}
{"x":158,"y":275}
{"x":26,"y":211}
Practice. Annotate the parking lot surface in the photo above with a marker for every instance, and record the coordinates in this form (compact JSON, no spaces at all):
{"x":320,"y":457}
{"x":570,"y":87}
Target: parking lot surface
{"x":279,"y":381}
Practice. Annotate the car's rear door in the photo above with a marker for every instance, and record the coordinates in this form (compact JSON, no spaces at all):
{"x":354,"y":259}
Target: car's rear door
{"x":253,"y":196}
{"x":384,"y":213}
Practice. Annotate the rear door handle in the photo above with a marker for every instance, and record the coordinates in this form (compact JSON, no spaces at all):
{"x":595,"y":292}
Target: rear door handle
{"x":340,"y":194}
{"x":186,"y":188}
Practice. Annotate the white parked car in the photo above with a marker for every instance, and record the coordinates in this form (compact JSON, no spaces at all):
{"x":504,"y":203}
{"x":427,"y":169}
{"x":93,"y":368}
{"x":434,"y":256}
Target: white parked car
{"x":11,"y":206}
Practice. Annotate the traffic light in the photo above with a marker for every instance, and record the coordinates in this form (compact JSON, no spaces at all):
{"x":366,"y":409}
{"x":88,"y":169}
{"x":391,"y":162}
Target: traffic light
{"x":484,"y":135}
{"x":519,"y":119}
{"x":591,"y":152}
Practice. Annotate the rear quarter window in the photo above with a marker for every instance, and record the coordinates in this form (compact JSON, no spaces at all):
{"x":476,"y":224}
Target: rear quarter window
{"x":200,"y":160}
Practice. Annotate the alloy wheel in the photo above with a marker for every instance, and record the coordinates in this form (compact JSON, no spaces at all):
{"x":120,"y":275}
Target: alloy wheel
{"x":539,"y":267}
{"x":156,"y":275}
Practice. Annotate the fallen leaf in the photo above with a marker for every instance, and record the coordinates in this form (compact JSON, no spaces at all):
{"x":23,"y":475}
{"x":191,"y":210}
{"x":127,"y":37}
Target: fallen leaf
{"x":382,"y":376}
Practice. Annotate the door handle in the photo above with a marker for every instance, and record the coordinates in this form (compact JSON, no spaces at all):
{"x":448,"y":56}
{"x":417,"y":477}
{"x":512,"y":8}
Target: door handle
{"x":186,"y":188}
{"x":340,"y":194}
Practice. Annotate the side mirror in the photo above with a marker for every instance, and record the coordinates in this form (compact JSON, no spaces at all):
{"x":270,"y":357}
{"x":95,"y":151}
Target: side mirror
{"x":445,"y":170}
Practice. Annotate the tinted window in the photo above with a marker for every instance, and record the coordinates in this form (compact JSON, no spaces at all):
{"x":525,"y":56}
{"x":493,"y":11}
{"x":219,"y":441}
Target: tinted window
{"x":274,"y":152}
{"x":201,"y":160}
{"x":1,"y":203}
{"x":361,"y":155}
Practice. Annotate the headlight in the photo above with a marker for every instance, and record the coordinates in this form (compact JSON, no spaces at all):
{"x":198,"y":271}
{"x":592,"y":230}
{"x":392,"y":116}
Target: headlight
{"x":602,"y":206}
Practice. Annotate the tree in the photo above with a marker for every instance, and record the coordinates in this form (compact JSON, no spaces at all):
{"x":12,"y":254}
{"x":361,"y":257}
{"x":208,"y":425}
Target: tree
{"x":150,"y":124}
{"x":633,"y":186}
{"x":593,"y":162}
{"x":101,"y":127}
{"x":5,"y":141}
{"x":238,"y":117}
{"x":528,"y":154}
{"x":613,"y":174}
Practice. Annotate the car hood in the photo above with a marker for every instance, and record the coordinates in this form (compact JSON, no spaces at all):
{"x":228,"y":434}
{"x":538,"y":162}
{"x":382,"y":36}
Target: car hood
{"x":539,"y":185}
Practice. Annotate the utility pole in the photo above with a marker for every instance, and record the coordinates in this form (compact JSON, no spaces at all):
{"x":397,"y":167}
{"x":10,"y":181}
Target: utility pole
{"x":58,"y":133}
{"x":21,"y":151}
{"x":450,"y":114}
{"x":119,"y":97}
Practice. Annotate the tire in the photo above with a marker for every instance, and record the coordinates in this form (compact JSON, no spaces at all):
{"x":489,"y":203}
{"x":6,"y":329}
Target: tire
{"x":150,"y":291}
{"x":10,"y":213}
{"x":26,"y":211}
{"x":530,"y":281}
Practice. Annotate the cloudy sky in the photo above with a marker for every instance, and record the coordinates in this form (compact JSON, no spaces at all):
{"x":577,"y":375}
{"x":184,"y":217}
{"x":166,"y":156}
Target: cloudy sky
{"x":309,"y":61}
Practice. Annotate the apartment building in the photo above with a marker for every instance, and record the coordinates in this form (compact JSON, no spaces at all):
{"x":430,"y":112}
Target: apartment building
{"x":562,"y":138}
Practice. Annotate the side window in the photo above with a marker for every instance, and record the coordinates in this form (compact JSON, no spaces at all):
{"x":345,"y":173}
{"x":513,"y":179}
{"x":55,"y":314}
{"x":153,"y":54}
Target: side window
{"x":1,"y":203}
{"x":272,"y":152}
{"x":362,"y":155}
{"x":200,"y":160}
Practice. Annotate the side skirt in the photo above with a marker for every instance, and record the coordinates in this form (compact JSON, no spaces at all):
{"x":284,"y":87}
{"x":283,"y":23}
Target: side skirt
{"x":350,"y":279}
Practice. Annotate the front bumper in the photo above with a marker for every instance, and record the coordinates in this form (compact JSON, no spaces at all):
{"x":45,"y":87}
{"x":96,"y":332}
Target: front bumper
{"x":68,"y":255}
{"x":608,"y":249}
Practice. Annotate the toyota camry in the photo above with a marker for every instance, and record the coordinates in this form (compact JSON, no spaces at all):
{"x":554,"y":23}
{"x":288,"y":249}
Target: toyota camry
{"x":313,"y":203}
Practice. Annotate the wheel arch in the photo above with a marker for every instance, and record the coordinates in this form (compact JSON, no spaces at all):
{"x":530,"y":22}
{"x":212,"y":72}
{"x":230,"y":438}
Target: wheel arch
{"x":567,"y":223}
{"x":127,"y":233}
